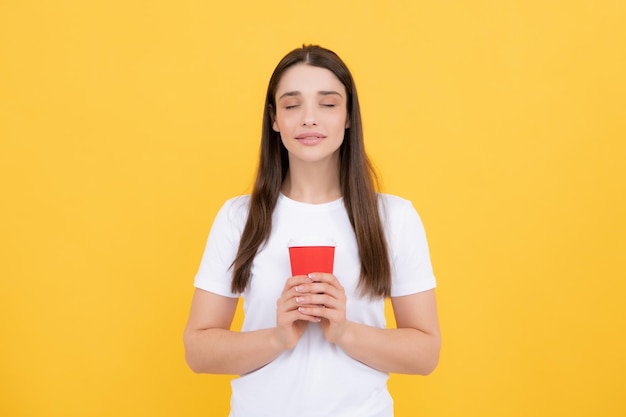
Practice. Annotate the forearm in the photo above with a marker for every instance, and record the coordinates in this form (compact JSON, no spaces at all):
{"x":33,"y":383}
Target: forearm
{"x":221,"y":351}
{"x":403,"y":350}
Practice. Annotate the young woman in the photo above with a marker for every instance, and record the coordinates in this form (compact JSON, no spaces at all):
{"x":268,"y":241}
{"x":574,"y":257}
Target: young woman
{"x":316,"y":344}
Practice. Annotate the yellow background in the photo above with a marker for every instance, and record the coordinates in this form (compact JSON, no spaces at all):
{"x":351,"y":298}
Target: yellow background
{"x":124,"y":125}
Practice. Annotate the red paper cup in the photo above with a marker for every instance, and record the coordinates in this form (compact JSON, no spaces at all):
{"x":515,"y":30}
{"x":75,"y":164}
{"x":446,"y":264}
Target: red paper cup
{"x":311,"y":255}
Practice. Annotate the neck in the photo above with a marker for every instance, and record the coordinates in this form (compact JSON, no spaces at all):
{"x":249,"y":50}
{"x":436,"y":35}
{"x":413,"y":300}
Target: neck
{"x":313,"y":183}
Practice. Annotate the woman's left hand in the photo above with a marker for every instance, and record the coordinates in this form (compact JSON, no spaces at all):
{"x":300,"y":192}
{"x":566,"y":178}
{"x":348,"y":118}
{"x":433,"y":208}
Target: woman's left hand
{"x":325,"y":299}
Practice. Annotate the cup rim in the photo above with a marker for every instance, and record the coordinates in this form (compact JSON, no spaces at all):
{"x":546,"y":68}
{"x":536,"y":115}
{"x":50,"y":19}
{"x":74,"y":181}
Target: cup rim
{"x":311,"y":241}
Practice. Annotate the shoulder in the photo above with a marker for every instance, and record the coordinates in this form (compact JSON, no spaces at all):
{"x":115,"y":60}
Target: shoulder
{"x":398,"y":214}
{"x":235,"y":210}
{"x":237,"y":203}
{"x":392,"y":205}
{"x":240,"y":203}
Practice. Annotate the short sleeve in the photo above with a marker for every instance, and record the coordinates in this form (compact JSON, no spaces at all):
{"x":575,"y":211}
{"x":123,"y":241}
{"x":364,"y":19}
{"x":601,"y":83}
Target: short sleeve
{"x":411,"y":267}
{"x":215,"y":272}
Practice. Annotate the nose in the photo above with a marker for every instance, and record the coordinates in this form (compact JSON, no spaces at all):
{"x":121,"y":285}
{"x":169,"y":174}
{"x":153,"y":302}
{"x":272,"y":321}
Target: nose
{"x":309,"y":118}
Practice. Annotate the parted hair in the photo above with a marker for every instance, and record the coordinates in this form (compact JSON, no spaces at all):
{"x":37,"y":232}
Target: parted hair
{"x":357,"y":178}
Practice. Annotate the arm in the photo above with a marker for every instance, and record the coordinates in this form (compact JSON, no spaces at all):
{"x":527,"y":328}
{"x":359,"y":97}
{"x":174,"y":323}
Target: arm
{"x":211,"y":347}
{"x":411,"y":348}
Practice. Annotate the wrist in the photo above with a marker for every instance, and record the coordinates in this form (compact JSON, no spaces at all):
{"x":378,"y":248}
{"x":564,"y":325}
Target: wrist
{"x":346,"y":336}
{"x":278,"y":343}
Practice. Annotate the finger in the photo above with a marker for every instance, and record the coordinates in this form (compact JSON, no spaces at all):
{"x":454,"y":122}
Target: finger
{"x":287,"y":318}
{"x":329,"y":279}
{"x":318,"y":300}
{"x":290,"y":303}
{"x":320,"y":288}
{"x":307,"y":287}
{"x":323,"y":277}
{"x":328,"y":308}
{"x":319,"y":312}
{"x":296,"y":281}
{"x":305,"y":311}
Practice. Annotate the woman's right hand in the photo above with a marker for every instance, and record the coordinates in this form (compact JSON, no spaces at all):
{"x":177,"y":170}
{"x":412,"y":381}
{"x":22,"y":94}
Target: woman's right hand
{"x":290,"y":323}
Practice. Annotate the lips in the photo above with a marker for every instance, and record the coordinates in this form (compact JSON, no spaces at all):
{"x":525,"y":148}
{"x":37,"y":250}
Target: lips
{"x":309,"y":139}
{"x":310,"y":136}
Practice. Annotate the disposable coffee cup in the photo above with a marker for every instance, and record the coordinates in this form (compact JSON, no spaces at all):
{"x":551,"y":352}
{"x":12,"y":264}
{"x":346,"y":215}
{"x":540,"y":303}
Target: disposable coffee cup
{"x":311,"y":255}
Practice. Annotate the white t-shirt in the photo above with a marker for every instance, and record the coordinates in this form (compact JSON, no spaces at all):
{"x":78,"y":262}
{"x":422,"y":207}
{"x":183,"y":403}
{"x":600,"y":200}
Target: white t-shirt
{"x":315,"y":378}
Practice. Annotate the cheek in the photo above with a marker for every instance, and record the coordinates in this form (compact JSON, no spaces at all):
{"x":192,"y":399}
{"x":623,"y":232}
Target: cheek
{"x":285,"y":122}
{"x":279,"y":123}
{"x":340,"y":122}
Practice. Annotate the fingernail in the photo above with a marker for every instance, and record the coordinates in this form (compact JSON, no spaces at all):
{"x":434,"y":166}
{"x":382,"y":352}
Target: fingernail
{"x":299,"y":288}
{"x":311,"y":275}
{"x":298,"y":300}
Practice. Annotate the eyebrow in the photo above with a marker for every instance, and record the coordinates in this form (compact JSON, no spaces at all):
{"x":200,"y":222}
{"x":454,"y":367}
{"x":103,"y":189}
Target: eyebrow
{"x":321,"y":93}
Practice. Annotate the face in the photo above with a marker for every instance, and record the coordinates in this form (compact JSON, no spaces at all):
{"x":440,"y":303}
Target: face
{"x":310,"y":114}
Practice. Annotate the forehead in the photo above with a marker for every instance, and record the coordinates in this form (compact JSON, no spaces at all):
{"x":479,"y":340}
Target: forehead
{"x":305,"y":78}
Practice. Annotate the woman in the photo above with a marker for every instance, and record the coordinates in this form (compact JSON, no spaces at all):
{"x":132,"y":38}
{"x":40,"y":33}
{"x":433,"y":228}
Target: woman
{"x":315,"y":344}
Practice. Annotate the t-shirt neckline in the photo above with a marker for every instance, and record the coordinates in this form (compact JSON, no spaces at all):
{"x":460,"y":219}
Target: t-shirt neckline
{"x":291,"y":202}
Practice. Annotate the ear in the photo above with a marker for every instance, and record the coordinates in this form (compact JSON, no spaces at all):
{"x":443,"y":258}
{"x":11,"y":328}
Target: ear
{"x":273,"y":117}
{"x":347,"y":123}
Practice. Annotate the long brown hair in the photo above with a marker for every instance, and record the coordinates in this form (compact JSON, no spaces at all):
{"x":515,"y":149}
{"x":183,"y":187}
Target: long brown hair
{"x":356,"y":175}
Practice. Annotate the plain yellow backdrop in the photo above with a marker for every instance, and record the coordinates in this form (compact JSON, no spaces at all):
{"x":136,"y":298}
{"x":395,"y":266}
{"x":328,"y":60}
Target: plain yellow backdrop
{"x":124,"y":125}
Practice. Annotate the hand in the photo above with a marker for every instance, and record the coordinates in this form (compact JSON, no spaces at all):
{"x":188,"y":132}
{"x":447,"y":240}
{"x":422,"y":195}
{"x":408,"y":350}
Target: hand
{"x":290,"y":322}
{"x":324,"y":298}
